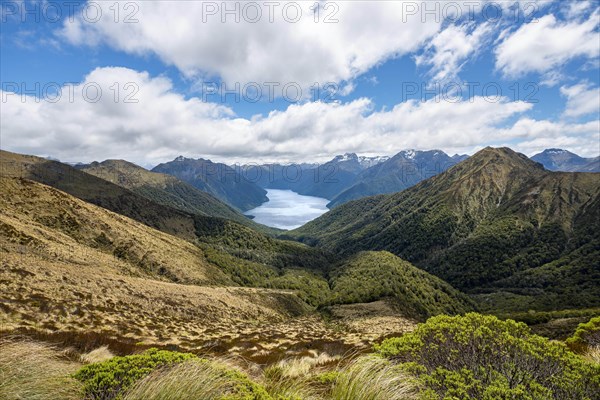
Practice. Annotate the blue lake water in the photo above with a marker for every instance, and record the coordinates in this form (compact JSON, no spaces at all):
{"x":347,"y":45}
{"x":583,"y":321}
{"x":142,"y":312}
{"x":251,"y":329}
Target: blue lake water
{"x":288,"y":210}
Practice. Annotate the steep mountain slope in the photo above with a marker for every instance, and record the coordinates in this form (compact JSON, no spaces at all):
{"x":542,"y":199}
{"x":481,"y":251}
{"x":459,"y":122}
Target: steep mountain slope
{"x":59,"y":226}
{"x":564,"y":160}
{"x":99,"y":192}
{"x":220,"y":180}
{"x":263,"y":260}
{"x":165,"y":189}
{"x":404,"y":170}
{"x":80,"y":272}
{"x":482,"y":221}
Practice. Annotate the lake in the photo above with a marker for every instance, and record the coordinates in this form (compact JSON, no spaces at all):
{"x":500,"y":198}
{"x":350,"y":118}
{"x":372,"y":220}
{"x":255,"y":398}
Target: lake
{"x":288,"y":210}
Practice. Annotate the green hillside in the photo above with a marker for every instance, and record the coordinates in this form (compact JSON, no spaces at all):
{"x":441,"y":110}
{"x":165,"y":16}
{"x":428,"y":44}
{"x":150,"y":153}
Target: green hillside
{"x":494,"y":216}
{"x":370,"y":276}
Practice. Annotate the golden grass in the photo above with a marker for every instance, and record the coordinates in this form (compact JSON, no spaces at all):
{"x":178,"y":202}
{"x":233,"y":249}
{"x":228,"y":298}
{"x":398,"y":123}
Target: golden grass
{"x":593,"y":354}
{"x":35,"y":371}
{"x":57,"y":226}
{"x":372,"y":378}
{"x":97,"y":355}
{"x":189,"y":380}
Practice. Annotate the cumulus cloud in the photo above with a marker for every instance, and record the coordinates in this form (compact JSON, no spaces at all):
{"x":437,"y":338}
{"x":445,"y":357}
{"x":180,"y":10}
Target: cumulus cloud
{"x":582,"y":99}
{"x":192,"y":36}
{"x":162,"y":124}
{"x":543,"y":46}
{"x":447,"y":52}
{"x":536,"y":136}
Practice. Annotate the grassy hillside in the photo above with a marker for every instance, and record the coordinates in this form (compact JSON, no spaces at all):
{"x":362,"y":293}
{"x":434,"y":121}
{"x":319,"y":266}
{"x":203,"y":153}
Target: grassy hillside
{"x":221,"y":237}
{"x":72,"y":271}
{"x":491,"y":217}
{"x":99,"y":192}
{"x":167,"y":190}
{"x":60,"y":227}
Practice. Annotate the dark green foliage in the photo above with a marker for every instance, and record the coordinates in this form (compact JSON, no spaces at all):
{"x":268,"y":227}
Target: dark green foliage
{"x":371,"y":276}
{"x":481,"y":357}
{"x":254,"y":259}
{"x":495,"y":223}
{"x":310,"y":287}
{"x":572,"y":280}
{"x":248,"y":244}
{"x":109,"y":379}
{"x":586,"y":335}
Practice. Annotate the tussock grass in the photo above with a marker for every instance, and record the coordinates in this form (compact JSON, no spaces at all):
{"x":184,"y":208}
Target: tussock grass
{"x":189,"y":380}
{"x":97,"y":355}
{"x":372,"y":378}
{"x":593,"y":354}
{"x":35,"y":371}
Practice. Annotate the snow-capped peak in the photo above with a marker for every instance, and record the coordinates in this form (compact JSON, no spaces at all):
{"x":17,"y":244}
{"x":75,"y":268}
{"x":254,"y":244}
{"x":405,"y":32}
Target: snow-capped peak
{"x":410,"y":154}
{"x":556,"y":151}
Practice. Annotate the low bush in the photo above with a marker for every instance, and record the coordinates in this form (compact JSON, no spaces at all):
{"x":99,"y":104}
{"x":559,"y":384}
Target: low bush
{"x":109,"y":379}
{"x":586,"y":335}
{"x":481,"y":357}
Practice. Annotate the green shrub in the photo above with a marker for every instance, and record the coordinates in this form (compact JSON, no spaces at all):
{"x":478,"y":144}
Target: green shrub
{"x":586,"y":335}
{"x":109,"y":379}
{"x":481,"y":357}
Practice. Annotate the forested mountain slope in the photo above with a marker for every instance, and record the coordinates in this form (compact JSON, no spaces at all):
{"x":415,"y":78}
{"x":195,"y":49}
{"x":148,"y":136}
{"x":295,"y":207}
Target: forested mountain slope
{"x":494,"y":216}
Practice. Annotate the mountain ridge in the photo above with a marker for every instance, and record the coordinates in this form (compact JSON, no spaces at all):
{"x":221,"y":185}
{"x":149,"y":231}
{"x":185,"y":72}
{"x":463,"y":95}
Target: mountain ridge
{"x":166,"y":190}
{"x":220,"y":180}
{"x":566,"y":161}
{"x":472,"y":225}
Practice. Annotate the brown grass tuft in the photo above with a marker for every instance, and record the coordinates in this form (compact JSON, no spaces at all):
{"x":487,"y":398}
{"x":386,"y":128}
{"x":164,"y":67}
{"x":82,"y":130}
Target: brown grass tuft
{"x":35,"y":371}
{"x":97,"y":355}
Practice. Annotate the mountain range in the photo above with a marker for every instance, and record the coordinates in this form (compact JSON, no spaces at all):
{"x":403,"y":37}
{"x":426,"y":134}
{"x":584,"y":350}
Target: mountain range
{"x":494,"y":230}
{"x":166,"y":190}
{"x":220,"y":180}
{"x":350,"y":176}
{"x":346,"y":177}
{"x":402,"y":171}
{"x":496,"y":222}
{"x":564,"y":160}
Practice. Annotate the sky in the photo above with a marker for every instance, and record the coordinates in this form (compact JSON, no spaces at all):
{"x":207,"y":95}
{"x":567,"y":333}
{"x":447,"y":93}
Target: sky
{"x":283,"y":81}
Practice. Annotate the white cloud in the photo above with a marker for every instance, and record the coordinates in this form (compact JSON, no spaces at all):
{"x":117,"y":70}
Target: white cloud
{"x":451,"y":48}
{"x":545,"y":45}
{"x":582,"y":99}
{"x":304,"y":52}
{"x":164,"y":124}
{"x":574,"y":9}
{"x":536,"y":136}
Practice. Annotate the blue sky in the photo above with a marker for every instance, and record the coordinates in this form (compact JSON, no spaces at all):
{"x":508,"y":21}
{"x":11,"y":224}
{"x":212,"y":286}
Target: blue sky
{"x":401,"y":77}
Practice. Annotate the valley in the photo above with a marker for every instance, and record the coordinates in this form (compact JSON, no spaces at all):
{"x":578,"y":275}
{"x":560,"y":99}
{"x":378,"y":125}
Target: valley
{"x":312,"y":200}
{"x":112,"y":256}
